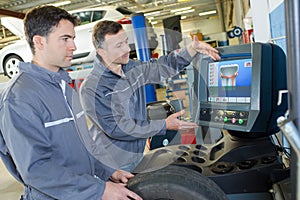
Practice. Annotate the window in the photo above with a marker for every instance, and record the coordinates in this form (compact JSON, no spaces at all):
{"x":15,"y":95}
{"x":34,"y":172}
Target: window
{"x":97,"y":15}
{"x":83,"y":17}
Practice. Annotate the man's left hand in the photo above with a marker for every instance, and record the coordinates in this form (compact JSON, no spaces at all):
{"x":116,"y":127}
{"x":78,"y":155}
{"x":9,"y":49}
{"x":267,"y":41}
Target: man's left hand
{"x":202,"y":47}
{"x":121,"y":176}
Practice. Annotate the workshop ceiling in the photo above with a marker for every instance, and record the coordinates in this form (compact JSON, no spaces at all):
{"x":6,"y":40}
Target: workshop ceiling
{"x":157,"y":9}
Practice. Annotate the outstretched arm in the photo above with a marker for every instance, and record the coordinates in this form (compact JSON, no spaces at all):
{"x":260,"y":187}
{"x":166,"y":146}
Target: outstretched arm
{"x":202,"y":47}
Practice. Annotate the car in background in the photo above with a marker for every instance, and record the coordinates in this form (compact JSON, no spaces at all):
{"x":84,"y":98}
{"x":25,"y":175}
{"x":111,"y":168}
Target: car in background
{"x":12,"y":54}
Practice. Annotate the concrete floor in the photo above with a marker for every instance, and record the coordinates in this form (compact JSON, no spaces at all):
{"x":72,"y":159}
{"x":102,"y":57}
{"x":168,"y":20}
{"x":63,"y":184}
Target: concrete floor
{"x":10,"y":189}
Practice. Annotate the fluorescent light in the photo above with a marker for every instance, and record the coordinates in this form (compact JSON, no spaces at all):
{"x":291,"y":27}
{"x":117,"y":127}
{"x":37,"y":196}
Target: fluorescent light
{"x":208,"y":12}
{"x":152,"y":13}
{"x":181,"y":9}
{"x":185,"y":11}
{"x":62,"y":3}
{"x":183,"y":17}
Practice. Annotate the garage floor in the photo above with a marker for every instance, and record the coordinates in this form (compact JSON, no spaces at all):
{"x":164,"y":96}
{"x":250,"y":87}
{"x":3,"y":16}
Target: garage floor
{"x":10,"y":189}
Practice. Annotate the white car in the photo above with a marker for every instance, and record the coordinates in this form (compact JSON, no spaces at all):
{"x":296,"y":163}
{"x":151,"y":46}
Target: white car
{"x":12,"y":54}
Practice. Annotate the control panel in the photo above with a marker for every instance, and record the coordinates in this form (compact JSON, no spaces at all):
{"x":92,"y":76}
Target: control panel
{"x":232,"y":117}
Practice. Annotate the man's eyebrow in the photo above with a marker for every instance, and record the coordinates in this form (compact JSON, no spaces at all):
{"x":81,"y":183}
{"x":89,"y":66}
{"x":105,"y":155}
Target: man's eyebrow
{"x":68,"y":36}
{"x":119,"y":43}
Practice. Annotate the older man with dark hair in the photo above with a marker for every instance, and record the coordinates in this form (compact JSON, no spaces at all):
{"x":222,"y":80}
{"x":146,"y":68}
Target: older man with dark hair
{"x":113,"y":94}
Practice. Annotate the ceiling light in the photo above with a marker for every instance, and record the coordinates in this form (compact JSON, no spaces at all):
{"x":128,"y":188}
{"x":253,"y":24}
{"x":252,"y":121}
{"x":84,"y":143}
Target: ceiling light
{"x":181,"y":9}
{"x":152,"y":13}
{"x":61,"y":3}
{"x":185,"y":11}
{"x":208,"y":12}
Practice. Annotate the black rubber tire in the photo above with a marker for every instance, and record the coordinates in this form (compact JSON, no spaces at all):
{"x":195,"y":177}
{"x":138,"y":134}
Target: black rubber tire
{"x":175,"y":183}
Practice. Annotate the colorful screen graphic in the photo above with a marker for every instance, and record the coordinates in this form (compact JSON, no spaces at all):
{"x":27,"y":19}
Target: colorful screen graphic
{"x":230,"y":81}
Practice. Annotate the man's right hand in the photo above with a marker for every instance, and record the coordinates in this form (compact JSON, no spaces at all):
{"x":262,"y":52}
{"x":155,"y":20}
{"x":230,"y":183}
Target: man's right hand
{"x":173,"y":123}
{"x":118,"y":191}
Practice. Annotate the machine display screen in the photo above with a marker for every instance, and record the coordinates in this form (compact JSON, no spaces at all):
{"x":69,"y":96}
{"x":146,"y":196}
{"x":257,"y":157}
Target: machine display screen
{"x":229,"y":81}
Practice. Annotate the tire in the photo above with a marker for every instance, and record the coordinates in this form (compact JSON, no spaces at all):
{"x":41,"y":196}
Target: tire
{"x":11,"y":65}
{"x":175,"y":183}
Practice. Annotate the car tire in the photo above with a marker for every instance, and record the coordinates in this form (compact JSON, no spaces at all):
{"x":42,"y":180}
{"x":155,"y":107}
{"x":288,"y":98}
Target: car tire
{"x":11,"y":65}
{"x":175,"y":183}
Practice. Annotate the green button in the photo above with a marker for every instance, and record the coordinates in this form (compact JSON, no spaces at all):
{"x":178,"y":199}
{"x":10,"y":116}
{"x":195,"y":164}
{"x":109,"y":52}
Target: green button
{"x":225,"y":119}
{"x":241,"y":121}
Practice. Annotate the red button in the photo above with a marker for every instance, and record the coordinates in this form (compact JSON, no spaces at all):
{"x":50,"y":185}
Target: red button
{"x":233,"y":120}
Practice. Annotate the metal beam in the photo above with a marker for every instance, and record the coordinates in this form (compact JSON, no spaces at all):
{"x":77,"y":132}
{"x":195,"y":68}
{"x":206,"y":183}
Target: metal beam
{"x":292,"y":9}
{"x":12,"y":13}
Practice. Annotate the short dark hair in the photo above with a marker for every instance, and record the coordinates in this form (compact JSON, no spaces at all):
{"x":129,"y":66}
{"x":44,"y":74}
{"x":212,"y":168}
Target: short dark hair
{"x":41,"y":20}
{"x":101,"y":29}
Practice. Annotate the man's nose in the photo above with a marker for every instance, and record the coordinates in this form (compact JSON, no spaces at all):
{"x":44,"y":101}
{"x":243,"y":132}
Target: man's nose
{"x":127,"y":48}
{"x":73,"y":46}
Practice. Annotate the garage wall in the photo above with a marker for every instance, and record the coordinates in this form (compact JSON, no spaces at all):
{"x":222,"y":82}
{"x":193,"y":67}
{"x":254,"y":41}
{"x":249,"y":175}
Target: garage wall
{"x":207,"y":26}
{"x":269,"y":21}
{"x":261,"y":21}
{"x":278,"y":24}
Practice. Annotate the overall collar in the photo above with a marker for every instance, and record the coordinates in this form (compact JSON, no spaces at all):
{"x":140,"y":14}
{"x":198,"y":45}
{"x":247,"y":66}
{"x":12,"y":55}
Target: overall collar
{"x":40,"y":72}
{"x":101,"y":69}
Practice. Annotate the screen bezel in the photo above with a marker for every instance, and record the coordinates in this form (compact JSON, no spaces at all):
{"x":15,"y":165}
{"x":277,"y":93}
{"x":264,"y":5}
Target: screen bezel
{"x":268,"y":77}
{"x":251,"y":106}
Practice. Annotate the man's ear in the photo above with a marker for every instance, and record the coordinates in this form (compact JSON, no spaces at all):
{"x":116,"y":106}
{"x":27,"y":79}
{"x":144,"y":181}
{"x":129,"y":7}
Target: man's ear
{"x":39,"y":41}
{"x":101,"y":52}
